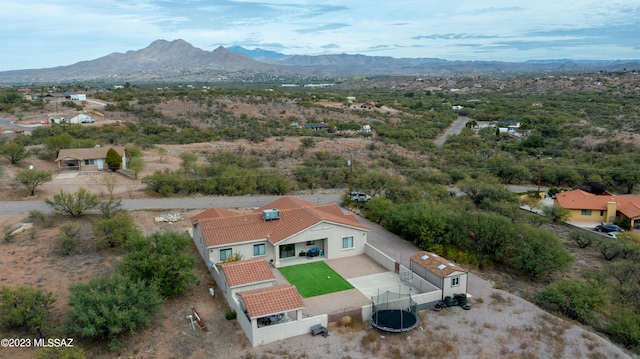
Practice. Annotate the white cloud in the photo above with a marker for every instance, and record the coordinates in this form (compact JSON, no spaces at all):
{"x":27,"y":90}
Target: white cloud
{"x":40,"y":33}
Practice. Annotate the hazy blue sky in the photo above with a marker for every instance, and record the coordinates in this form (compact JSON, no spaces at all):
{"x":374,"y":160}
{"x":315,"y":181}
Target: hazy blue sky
{"x":40,"y":34}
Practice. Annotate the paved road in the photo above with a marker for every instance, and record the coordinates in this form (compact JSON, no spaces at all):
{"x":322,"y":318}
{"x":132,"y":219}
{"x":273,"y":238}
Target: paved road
{"x":8,"y":123}
{"x":455,"y":128}
{"x":175,"y":203}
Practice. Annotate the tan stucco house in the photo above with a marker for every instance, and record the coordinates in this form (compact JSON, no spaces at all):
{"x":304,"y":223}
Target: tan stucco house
{"x":88,"y":159}
{"x":588,"y":207}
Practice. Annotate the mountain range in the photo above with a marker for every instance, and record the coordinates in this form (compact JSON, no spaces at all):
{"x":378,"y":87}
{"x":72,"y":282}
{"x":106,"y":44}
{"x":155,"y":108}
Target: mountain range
{"x":179,"y":61}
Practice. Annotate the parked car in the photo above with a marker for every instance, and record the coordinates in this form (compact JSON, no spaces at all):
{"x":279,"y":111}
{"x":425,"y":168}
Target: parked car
{"x":612,"y":235}
{"x":608,"y":228}
{"x":359,"y":197}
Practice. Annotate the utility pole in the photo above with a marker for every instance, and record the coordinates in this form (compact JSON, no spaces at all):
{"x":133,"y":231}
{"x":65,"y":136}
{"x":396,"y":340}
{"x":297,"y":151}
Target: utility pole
{"x":539,"y":172}
{"x":350,"y":164}
{"x":540,"y":159}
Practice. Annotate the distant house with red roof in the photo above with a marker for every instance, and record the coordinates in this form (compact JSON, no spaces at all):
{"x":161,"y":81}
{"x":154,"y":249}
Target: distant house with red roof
{"x":278,"y":231}
{"x":585,"y":206}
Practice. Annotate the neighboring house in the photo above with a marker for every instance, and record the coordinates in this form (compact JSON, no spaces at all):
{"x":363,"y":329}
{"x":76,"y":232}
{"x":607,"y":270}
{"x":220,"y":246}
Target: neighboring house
{"x":82,"y":118}
{"x":87,"y":159}
{"x":446,"y":276}
{"x":368,"y":106}
{"x":317,"y":126}
{"x":279,"y":231}
{"x":585,"y":206}
{"x":78,"y":97}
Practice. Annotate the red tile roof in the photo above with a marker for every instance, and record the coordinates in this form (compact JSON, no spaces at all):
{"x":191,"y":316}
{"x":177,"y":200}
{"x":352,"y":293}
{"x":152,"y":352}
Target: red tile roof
{"x":272,"y":300}
{"x":247,"y":272}
{"x":436,"y":264}
{"x":578,"y":199}
{"x":213,"y":213}
{"x":295,"y":216}
{"x":283,"y":203}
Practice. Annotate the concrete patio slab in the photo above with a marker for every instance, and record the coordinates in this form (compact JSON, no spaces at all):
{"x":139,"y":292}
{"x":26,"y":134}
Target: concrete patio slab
{"x":375,"y":284}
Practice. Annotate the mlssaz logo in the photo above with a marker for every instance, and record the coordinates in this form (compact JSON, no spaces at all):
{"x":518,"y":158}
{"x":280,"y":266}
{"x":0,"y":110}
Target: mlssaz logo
{"x":54,"y":342}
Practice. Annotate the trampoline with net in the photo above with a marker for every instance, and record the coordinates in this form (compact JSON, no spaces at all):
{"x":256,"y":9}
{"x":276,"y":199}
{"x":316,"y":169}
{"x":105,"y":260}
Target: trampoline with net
{"x":393,"y":312}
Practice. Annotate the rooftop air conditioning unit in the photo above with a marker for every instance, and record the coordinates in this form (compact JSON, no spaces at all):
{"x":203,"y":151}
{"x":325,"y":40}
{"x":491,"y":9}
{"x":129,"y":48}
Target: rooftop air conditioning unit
{"x":271,"y":214}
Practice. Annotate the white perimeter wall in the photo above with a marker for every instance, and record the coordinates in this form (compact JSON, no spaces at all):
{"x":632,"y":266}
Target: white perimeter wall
{"x":273,"y":333}
{"x":384,"y":260}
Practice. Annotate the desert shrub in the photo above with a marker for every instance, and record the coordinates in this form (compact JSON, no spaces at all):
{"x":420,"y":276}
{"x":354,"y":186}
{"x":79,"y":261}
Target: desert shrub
{"x":539,"y":253}
{"x":307,"y":142}
{"x":582,"y":239}
{"x":110,"y":207}
{"x":115,"y":230}
{"x":556,"y":213}
{"x":8,"y":233}
{"x":624,"y":327}
{"x":231,"y":314}
{"x":68,"y":237}
{"x":161,"y":260}
{"x":40,"y":218}
{"x":345,"y":321}
{"x":73,"y":204}
{"x":610,"y":249}
{"x":24,"y":308}
{"x":110,"y":306}
{"x":577,"y":299}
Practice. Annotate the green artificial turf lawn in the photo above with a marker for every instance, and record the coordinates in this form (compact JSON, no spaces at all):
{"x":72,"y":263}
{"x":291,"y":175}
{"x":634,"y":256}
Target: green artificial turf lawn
{"x":314,"y":279}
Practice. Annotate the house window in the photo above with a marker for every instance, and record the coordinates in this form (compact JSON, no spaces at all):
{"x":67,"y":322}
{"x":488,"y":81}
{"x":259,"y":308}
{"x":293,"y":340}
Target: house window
{"x":601,"y":213}
{"x":287,"y":250}
{"x":225,"y":253}
{"x":347,"y":242}
{"x":586,"y":212}
{"x":258,"y":249}
{"x":311,"y":243}
{"x":89,"y":162}
{"x":455,"y":281}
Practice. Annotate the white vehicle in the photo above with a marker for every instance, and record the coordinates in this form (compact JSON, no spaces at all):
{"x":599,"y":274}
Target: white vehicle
{"x":359,"y":197}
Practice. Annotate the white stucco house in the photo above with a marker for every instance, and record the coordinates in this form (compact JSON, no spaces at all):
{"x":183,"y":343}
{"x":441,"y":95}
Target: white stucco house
{"x":241,"y":249}
{"x":279,"y":231}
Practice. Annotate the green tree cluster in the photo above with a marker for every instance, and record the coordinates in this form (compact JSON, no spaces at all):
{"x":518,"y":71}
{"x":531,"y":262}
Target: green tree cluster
{"x":25,"y":308}
{"x":108,"y":307}
{"x":32,"y":178}
{"x":487,"y":236}
{"x":153,"y":268}
{"x":14,"y":151}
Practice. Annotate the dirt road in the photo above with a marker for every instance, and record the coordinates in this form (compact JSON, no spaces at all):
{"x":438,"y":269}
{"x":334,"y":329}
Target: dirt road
{"x":455,"y":128}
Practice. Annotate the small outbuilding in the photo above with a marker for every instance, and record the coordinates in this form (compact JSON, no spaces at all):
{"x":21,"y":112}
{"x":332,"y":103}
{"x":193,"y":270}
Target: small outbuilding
{"x":442,"y":273}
